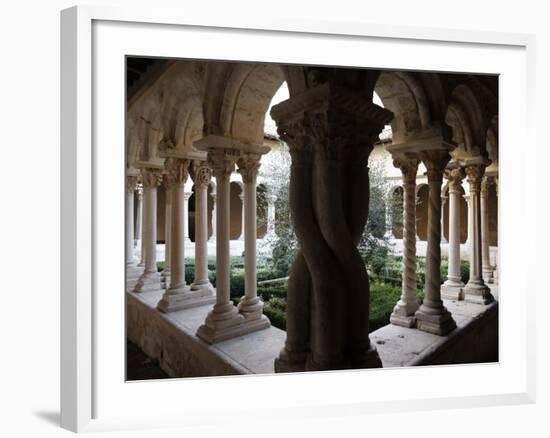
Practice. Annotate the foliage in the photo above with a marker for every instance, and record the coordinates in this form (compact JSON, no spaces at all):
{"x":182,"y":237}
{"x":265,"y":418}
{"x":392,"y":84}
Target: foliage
{"x":283,"y":245}
{"x":374,"y":245}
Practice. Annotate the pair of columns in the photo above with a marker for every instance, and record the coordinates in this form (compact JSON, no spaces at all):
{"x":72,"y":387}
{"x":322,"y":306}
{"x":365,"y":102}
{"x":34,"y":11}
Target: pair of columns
{"x":475,"y":290}
{"x":226,"y":320}
{"x":178,"y":294}
{"x":432,"y":316}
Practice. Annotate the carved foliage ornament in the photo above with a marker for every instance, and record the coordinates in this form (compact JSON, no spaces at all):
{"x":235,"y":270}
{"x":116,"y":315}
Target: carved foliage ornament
{"x":178,"y":170}
{"x":409,"y":168}
{"x":475,"y":174}
{"x":455,"y":177}
{"x":151,"y":178}
{"x":222,"y":162}
{"x":202,"y":174}
{"x":249,"y":165}
{"x":131,"y":183}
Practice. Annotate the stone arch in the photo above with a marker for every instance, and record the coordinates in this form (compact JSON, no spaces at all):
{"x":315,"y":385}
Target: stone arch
{"x":247,"y":95}
{"x":403,"y":94}
{"x":467,"y":120}
{"x":422,"y":193}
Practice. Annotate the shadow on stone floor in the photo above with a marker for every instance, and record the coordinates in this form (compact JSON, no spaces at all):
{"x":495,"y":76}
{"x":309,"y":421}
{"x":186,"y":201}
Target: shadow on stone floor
{"x":141,"y":367}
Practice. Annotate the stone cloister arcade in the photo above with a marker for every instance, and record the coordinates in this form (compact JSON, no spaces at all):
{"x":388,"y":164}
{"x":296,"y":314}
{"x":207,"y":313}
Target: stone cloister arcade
{"x":194,"y":128}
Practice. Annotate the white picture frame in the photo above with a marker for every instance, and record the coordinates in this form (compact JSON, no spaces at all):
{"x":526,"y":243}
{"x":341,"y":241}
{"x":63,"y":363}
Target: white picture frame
{"x":91,"y":400}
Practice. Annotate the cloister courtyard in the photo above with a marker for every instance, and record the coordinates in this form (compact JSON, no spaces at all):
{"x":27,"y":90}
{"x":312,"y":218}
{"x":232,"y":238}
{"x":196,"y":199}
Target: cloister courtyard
{"x":303,"y":218}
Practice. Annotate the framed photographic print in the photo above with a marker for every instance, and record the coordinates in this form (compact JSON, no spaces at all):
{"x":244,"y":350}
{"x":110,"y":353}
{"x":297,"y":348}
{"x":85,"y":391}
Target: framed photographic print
{"x":249,"y":207}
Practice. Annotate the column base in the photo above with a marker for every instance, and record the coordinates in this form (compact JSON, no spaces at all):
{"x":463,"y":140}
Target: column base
{"x":487,"y":274}
{"x":251,"y":308}
{"x":452,"y":290}
{"x":290,"y":361}
{"x":225,"y":322}
{"x":149,"y":281}
{"x":184,"y":298}
{"x":202,"y":285}
{"x":165,"y":279}
{"x":439,"y":323}
{"x":365,"y":359}
{"x":478,"y":293}
{"x":403,"y":314}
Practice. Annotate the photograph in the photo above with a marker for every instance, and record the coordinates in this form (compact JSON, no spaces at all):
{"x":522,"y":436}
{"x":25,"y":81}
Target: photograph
{"x":285,"y":218}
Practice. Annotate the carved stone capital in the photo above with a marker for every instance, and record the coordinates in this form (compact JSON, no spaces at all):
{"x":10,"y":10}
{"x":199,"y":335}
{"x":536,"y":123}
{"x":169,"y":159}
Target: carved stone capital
{"x":435,"y":162}
{"x":249,"y":164}
{"x":151,"y":178}
{"x":201,"y":173}
{"x":474,"y":175}
{"x":334,"y":122}
{"x":178,"y":170}
{"x":222,"y":161}
{"x":131,"y":183}
{"x":409,"y":168}
{"x":455,"y":177}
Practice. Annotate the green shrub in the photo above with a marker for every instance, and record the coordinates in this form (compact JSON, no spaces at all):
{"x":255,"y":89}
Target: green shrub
{"x":382,"y":301}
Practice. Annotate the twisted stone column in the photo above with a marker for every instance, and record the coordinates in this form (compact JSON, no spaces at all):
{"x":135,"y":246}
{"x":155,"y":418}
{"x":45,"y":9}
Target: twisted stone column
{"x":476,"y":290}
{"x":250,"y":304}
{"x":487,"y":269}
{"x":179,"y":296}
{"x":433,"y":316}
{"x":165,"y":274}
{"x":201,"y":176}
{"x":150,"y":279}
{"x":330,"y":131}
{"x":131,"y":183}
{"x":404,"y":310}
{"x":452,"y":288}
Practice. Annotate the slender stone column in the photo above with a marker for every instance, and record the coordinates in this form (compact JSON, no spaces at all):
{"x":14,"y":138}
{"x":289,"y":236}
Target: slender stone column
{"x":250,"y":305}
{"x":243,"y":213}
{"x":476,"y":290}
{"x":201,"y":176}
{"x":185,"y":218}
{"x":224,"y":320}
{"x":487,"y":269}
{"x":433,"y":316}
{"x":131,"y":182}
{"x":165,"y":275}
{"x":214,"y":214}
{"x":179,"y":296}
{"x":224,"y":316}
{"x":150,"y":279}
{"x":139,"y":214}
{"x":404,"y":310}
{"x":443,"y":202}
{"x":139,"y":227}
{"x":452,"y":288}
